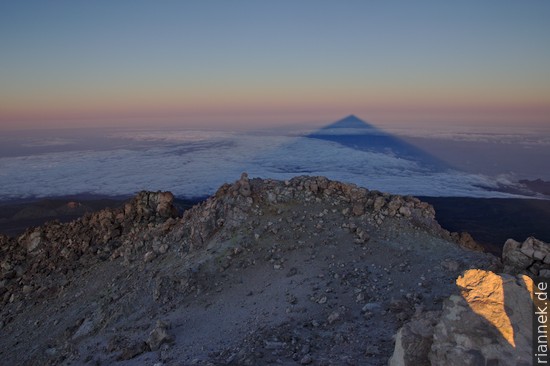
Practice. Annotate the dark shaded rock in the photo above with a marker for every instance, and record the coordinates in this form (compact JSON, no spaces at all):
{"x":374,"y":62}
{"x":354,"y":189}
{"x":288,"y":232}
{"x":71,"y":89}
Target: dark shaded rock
{"x":133,"y":351}
{"x":531,"y":257}
{"x":159,"y":336}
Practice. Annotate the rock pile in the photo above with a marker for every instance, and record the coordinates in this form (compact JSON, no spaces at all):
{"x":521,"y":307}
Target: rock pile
{"x":235,"y":204}
{"x":532,"y":257}
{"x":39,"y":258}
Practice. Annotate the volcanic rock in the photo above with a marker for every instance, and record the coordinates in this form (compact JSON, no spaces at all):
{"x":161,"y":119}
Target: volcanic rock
{"x":261,"y":272}
{"x":532,"y":257}
{"x":489,"y":323}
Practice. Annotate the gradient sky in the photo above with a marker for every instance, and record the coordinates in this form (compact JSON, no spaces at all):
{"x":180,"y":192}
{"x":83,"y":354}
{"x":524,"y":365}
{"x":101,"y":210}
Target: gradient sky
{"x":256,"y":63}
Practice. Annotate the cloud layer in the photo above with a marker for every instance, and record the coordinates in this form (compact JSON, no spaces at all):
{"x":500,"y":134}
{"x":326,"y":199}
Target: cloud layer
{"x":196,"y":163}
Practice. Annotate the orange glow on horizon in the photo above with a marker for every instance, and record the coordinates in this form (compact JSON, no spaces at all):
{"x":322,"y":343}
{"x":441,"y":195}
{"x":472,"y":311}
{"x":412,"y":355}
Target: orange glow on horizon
{"x":274,"y":104}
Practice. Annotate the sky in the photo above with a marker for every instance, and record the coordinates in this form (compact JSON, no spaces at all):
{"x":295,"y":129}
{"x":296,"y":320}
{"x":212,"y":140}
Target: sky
{"x":261,"y":63}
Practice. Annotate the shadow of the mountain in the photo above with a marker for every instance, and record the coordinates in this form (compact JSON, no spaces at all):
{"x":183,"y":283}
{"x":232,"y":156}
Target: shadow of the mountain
{"x":357,"y":134}
{"x":351,"y":150}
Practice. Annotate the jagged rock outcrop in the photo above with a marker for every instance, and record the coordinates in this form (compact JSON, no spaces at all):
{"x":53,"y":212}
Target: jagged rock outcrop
{"x":466,"y":241}
{"x":532,"y":257}
{"x":488,"y":323}
{"x":414,"y":340}
{"x":234,"y":204}
{"x":36,"y":260}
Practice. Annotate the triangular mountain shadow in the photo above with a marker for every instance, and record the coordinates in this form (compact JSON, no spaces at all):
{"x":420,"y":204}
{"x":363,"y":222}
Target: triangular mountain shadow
{"x":357,"y":134}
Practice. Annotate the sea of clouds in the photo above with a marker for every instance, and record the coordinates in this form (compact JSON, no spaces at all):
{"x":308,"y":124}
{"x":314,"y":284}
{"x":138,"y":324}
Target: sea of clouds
{"x":195,"y":163}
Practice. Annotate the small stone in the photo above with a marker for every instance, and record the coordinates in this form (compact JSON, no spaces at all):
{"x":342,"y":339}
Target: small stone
{"x":133,"y":351}
{"x":358,"y":209}
{"x":86,"y":327}
{"x":292,"y":272}
{"x":362,"y":235}
{"x":379,"y":202}
{"x":291,"y":299}
{"x":33,"y":241}
{"x":306,"y":360}
{"x":405,"y":211}
{"x":274,"y":345}
{"x":163,"y":248}
{"x":159,"y":336}
{"x":372,"y":350}
{"x":371,"y":306}
{"x":450,"y":265}
{"x":148,"y":257}
{"x":333,"y":317}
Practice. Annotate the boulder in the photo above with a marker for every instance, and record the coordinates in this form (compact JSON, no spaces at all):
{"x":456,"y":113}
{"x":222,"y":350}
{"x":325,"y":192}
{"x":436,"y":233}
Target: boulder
{"x":32,"y":242}
{"x":532,"y":257}
{"x":244,"y":185}
{"x":147,"y":204}
{"x":488,"y":324}
{"x":414,"y":341}
{"x":465,"y":240}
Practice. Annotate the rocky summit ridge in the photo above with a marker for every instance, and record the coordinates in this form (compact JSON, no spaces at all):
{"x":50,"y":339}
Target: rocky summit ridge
{"x":304,"y":271}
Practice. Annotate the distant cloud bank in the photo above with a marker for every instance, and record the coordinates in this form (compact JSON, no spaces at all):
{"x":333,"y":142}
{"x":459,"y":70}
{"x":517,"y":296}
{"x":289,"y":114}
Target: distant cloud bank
{"x":196,"y":163}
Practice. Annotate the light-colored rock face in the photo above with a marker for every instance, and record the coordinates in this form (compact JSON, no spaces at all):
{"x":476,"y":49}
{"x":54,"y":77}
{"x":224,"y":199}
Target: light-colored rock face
{"x":530,"y":257}
{"x":489,"y":323}
{"x":31,"y":241}
{"x":484,"y":293}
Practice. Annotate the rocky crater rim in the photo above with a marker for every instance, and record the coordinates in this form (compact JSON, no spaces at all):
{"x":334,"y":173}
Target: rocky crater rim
{"x":149,"y":224}
{"x":335,"y":259}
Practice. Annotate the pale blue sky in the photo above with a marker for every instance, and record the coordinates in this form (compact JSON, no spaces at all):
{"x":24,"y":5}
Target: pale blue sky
{"x":261,"y":62}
